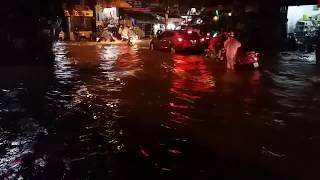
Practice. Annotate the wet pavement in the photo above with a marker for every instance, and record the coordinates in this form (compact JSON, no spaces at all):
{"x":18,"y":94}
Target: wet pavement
{"x":119,"y":112}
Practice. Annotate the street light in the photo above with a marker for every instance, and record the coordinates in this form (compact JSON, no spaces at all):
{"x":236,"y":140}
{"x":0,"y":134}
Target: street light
{"x":229,"y":14}
{"x":215,"y":18}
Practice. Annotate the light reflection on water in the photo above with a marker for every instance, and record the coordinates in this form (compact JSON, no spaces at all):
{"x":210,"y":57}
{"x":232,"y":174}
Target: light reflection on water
{"x":119,"y":111}
{"x":191,"y":78}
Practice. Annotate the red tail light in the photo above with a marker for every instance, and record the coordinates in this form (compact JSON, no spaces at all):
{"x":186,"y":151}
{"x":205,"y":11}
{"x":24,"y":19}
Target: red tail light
{"x":180,"y":39}
{"x":202,"y":39}
{"x":189,"y":32}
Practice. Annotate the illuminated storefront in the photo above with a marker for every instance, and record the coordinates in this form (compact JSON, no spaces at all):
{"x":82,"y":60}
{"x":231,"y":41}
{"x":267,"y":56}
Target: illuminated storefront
{"x":79,"y":22}
{"x":303,"y":20}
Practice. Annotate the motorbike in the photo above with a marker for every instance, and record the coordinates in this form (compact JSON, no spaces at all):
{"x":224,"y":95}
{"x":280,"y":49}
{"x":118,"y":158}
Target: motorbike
{"x":61,"y":36}
{"x":132,"y":40}
{"x":218,"y":56}
{"x":208,"y":53}
{"x":247,"y":60}
{"x":105,"y":35}
{"x":292,"y":42}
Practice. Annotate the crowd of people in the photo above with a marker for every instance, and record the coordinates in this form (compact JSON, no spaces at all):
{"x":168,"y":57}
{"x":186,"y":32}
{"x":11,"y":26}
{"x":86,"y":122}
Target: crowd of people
{"x":107,"y":33}
{"x":122,"y":32}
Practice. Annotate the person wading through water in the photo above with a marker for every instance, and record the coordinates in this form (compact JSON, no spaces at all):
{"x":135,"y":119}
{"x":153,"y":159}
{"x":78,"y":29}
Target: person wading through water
{"x":231,"y":46}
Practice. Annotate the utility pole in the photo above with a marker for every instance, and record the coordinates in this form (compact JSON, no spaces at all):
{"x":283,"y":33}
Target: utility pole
{"x":166,"y":17}
{"x":92,"y":5}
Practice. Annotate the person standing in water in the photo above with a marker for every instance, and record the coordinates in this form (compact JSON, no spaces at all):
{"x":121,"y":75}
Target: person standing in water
{"x":231,"y":46}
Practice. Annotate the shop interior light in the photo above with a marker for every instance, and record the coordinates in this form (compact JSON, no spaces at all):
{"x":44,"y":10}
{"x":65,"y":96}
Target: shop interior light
{"x":171,"y":26}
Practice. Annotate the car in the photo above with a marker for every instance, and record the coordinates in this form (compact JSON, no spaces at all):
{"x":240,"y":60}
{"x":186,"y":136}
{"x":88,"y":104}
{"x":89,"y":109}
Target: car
{"x":178,"y":40}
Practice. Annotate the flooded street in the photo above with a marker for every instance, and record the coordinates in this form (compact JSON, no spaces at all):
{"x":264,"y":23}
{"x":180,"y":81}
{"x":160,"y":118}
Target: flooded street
{"x":119,"y":112}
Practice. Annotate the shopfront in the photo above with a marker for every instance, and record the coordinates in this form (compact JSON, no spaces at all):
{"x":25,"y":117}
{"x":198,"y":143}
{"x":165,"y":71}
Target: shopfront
{"x":303,"y":20}
{"x":80,"y":23}
{"x":303,"y":25}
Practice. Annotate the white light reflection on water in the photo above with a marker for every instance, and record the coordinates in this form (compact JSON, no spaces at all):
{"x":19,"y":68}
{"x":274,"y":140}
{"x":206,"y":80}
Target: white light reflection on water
{"x":13,"y":145}
{"x":63,"y":66}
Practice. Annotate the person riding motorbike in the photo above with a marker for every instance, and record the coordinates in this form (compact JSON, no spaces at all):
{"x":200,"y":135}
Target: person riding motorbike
{"x":211,"y":51}
{"x":216,"y":45}
{"x":131,"y":37}
{"x":61,"y":35}
{"x":292,"y":43}
{"x":76,"y":33}
{"x":106,"y":36}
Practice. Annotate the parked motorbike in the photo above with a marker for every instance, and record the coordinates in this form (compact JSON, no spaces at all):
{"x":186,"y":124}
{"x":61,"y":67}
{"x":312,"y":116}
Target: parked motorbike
{"x":247,"y":60}
{"x":218,"y":56}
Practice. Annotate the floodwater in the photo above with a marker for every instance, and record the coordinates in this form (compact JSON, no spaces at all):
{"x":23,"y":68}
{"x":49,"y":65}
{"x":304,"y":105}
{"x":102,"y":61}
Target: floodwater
{"x":118,"y":112}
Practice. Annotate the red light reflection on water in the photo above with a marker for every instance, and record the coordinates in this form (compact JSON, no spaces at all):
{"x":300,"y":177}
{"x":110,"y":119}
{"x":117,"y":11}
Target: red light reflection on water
{"x":177,"y":106}
{"x":191,"y":79}
{"x":191,"y":75}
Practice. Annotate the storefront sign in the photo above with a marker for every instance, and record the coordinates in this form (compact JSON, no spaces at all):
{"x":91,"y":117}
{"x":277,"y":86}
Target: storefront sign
{"x":88,"y":13}
{"x":305,"y":17}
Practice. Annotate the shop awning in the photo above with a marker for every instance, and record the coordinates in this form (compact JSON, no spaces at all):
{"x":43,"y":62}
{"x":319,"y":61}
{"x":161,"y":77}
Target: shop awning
{"x":79,"y":11}
{"x":115,"y":3}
